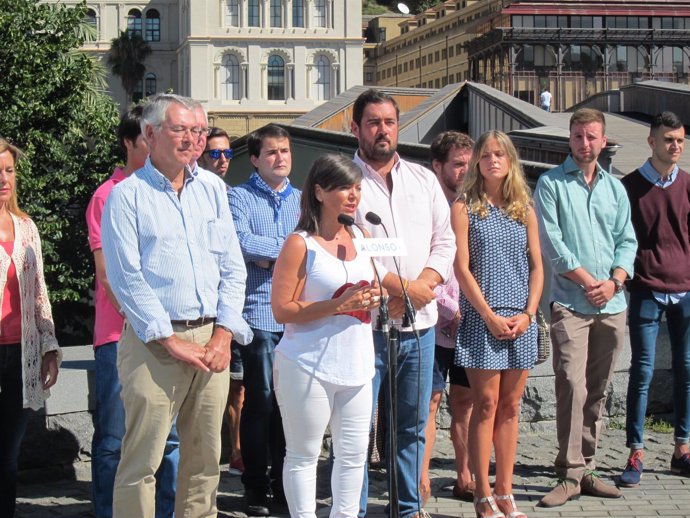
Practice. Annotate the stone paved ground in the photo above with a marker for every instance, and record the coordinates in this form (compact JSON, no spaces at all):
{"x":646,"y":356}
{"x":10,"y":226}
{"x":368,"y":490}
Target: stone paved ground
{"x":661,"y":493}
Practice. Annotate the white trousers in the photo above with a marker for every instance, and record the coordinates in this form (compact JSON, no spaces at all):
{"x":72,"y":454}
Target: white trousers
{"x":307,"y":406}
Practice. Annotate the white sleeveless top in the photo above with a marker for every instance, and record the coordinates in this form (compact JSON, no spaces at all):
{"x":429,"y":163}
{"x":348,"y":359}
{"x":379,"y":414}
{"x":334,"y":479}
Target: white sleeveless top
{"x":337,"y":349}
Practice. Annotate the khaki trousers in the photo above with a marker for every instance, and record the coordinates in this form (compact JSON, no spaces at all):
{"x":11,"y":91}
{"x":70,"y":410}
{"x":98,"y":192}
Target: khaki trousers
{"x":155,"y":388}
{"x":585,"y":349}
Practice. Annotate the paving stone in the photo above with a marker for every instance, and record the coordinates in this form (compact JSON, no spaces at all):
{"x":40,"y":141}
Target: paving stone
{"x":660,"y":494}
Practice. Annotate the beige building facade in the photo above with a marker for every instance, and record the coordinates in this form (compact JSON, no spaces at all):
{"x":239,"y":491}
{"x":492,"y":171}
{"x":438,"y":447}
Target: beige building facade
{"x":249,"y":62}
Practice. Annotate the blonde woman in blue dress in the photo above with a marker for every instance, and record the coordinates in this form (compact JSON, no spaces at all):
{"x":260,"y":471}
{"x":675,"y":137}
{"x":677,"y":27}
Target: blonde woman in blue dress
{"x":499,"y":269}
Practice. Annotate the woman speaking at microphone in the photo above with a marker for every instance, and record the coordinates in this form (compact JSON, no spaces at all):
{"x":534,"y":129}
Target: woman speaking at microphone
{"x":323,"y":291}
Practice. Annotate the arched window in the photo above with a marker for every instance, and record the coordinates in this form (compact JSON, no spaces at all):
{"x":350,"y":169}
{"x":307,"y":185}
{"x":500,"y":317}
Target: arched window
{"x":320,"y":13}
{"x":150,"y":84}
{"x":232,"y":13}
{"x":230,"y":78}
{"x":90,"y":18}
{"x":153,"y":25}
{"x":134,"y":22}
{"x":254,"y":13}
{"x":298,"y":13}
{"x":276,"y":13}
{"x":276,"y":78}
{"x":321,"y":85}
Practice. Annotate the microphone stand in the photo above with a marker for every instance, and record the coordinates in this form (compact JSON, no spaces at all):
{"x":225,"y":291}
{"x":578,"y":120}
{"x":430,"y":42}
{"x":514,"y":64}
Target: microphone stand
{"x":393,"y":342}
{"x":391,"y":338}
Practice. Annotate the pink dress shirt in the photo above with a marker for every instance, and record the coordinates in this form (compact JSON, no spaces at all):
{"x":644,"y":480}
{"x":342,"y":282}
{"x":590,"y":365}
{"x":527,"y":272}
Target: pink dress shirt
{"x":448,"y":303}
{"x":108,"y":326}
{"x":417,"y":212}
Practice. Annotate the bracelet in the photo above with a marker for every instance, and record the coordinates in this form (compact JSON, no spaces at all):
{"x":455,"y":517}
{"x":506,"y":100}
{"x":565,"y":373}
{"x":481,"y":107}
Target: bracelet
{"x":406,"y":284}
{"x":532,"y":317}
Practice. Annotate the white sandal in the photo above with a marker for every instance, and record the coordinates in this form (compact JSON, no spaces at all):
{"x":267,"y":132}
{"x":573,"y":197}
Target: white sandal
{"x":514,"y":513}
{"x":492,"y":505}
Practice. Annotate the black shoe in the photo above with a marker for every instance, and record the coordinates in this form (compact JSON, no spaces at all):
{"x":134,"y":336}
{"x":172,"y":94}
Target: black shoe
{"x":255,"y":502}
{"x":681,"y":466}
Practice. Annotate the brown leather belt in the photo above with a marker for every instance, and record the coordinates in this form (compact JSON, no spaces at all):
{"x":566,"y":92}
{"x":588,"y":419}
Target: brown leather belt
{"x":194,"y":323}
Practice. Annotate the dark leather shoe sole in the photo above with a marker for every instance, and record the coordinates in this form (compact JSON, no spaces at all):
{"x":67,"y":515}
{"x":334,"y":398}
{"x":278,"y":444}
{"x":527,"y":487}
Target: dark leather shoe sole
{"x":256,"y":510}
{"x":466,"y":495}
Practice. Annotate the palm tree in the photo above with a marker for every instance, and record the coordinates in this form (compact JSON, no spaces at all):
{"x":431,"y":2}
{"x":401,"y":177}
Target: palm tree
{"x":126,"y":57}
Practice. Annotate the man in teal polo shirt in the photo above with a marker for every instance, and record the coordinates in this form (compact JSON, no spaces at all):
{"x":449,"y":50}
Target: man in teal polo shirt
{"x":588,"y":239}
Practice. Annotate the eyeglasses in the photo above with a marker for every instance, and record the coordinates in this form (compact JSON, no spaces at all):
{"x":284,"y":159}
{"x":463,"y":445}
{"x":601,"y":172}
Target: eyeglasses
{"x":180,"y":131}
{"x":215,"y":153}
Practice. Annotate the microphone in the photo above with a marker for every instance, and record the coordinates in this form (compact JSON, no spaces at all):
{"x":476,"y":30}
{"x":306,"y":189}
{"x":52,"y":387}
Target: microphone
{"x":375,"y":219}
{"x":349,"y":221}
{"x":346,"y":220}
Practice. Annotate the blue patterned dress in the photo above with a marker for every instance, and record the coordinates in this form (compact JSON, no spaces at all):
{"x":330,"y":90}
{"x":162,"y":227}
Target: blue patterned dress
{"x":499,"y":262}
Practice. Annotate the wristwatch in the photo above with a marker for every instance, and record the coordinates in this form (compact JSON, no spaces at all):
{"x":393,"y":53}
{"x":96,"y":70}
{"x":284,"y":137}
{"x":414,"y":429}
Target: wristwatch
{"x":532,"y":316}
{"x":619,"y":284}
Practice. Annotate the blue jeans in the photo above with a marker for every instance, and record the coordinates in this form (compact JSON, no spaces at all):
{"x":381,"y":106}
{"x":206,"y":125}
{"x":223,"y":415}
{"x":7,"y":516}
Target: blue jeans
{"x":109,"y":428}
{"x":644,"y":319}
{"x":413,"y":410}
{"x":261,"y":428}
{"x":14,"y":420}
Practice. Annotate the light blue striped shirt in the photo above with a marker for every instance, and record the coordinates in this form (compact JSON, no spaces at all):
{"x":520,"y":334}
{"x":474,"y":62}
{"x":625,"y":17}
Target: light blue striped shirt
{"x":583,"y":227}
{"x":173,"y":258}
{"x":263,"y":218}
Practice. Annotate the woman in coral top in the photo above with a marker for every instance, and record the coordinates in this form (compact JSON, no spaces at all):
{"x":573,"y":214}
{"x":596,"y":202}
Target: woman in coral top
{"x":29,"y":353}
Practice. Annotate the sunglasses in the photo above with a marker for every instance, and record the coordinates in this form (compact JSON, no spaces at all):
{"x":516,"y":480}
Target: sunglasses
{"x":215,"y":153}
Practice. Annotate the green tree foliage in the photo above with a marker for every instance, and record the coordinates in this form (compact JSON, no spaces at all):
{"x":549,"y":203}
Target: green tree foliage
{"x":52,"y":108}
{"x":126,"y":57}
{"x":419,"y":6}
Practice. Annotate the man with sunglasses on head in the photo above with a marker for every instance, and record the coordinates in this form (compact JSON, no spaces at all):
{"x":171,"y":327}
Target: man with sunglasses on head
{"x":265,"y":210}
{"x":218,"y":153}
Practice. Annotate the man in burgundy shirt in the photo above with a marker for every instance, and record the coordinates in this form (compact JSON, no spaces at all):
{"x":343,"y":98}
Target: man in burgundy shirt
{"x":659,"y":193}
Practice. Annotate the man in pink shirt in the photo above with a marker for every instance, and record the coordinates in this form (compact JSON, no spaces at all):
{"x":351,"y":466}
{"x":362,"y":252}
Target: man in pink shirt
{"x":411,"y":204}
{"x":109,"y":414}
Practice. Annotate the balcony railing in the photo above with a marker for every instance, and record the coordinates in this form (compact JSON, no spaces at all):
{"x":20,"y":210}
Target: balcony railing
{"x":536,"y":36}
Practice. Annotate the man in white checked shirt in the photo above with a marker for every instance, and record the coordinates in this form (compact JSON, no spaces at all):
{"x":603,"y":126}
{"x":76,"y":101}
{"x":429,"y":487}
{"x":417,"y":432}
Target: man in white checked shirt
{"x":175,"y":267}
{"x":265,"y":210}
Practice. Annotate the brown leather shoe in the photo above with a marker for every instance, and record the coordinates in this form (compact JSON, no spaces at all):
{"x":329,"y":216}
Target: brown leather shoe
{"x":591,"y":484}
{"x":466,"y":494}
{"x":565,"y":490}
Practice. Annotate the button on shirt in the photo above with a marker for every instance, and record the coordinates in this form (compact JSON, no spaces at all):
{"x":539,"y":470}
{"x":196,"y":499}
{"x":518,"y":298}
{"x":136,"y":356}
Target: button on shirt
{"x":415,"y":211}
{"x":174,"y":258}
{"x":583,"y":227}
{"x":263,"y":219}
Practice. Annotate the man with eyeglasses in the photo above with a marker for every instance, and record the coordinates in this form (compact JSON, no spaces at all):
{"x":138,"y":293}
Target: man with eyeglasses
{"x":218,"y":153}
{"x":265,"y":210}
{"x":201,"y":131}
{"x":109,"y":413}
{"x":176,"y":269}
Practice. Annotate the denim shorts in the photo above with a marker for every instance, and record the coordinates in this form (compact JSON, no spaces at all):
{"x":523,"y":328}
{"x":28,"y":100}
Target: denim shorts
{"x":236,"y":368}
{"x":444,"y":369}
